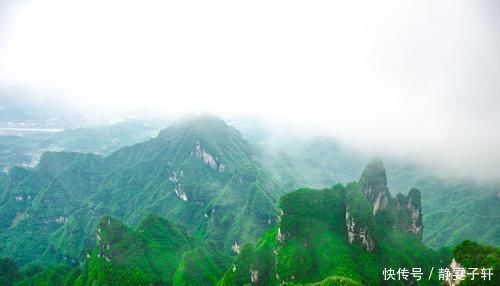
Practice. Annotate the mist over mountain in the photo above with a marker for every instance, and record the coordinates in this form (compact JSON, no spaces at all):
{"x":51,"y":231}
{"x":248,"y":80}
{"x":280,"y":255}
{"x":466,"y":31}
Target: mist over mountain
{"x":381,"y":78}
{"x":229,"y":143}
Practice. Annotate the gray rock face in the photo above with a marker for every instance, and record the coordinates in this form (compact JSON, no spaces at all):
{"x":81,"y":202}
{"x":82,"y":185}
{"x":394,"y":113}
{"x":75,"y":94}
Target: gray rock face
{"x":415,"y":209}
{"x":373,"y":184}
{"x":358,"y":232}
{"x":254,"y":276}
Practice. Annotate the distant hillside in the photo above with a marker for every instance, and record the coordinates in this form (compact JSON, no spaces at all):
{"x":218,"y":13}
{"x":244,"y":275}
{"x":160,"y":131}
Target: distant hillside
{"x":26,"y":148}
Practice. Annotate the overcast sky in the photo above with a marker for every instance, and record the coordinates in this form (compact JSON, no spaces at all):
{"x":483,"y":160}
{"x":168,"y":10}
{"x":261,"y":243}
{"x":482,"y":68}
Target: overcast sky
{"x":415,"y":78}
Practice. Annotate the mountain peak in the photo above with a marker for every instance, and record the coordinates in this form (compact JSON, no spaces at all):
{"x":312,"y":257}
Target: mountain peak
{"x":209,"y":139}
{"x":410,"y":213}
{"x":373,"y":183}
{"x":204,"y":122}
{"x":158,"y":229}
{"x":110,"y":230}
{"x":374,"y":174}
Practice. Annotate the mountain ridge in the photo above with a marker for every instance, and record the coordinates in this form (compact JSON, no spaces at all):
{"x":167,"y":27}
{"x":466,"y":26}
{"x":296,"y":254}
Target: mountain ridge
{"x":200,"y":175}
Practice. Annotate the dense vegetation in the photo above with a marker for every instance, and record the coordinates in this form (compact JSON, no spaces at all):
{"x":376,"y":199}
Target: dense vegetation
{"x":199,"y":205}
{"x":198,"y":172}
{"x":471,"y":254}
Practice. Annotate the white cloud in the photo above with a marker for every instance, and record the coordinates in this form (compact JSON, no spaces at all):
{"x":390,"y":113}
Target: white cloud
{"x":420,"y":78}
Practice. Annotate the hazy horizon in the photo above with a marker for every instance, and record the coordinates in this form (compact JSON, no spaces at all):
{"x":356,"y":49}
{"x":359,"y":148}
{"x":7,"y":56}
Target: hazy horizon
{"x":415,"y":80}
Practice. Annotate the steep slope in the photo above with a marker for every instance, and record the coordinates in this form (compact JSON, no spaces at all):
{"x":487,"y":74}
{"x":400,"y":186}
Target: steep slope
{"x":336,"y":233}
{"x":198,"y":172}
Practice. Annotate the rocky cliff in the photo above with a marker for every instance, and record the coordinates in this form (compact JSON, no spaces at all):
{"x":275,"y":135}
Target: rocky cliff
{"x":373,"y":184}
{"x":403,"y":212}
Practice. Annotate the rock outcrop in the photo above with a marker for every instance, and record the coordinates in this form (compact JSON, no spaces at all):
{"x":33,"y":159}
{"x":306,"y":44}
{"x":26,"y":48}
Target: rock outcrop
{"x":409,"y":210}
{"x":359,"y":218}
{"x":405,"y":210}
{"x":358,"y":232}
{"x":373,"y":183}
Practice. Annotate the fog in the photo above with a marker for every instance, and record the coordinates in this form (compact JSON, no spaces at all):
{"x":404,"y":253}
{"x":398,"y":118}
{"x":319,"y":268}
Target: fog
{"x":415,"y":79}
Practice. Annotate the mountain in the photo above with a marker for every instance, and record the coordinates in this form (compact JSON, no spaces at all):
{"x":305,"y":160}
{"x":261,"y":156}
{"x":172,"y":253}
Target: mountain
{"x":103,"y":139}
{"x":199,"y":172}
{"x":344,"y":235}
{"x":455,"y":209}
{"x":334,"y":236}
{"x":198,"y":198}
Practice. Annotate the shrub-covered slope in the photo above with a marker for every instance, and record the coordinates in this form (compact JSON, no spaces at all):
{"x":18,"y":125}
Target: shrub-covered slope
{"x":150,"y":255}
